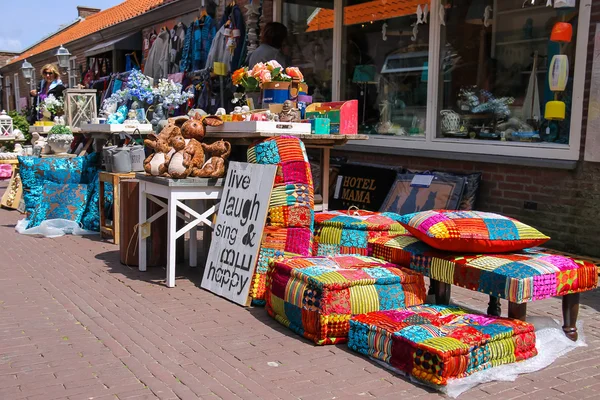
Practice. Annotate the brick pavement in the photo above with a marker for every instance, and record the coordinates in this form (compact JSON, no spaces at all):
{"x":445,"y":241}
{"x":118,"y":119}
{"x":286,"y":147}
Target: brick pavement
{"x":76,"y":324}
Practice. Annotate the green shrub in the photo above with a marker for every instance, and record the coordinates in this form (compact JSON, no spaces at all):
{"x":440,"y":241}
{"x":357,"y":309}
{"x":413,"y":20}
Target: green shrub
{"x":20,"y":122}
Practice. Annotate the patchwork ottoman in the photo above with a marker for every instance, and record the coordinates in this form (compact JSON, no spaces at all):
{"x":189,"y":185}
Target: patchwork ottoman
{"x":518,"y":277}
{"x":290,"y":218}
{"x":315,"y":297}
{"x":436,"y":343}
{"x":339,"y":232}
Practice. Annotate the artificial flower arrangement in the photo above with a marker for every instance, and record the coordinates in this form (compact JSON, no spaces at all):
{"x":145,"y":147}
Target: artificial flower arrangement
{"x":253,"y":79}
{"x":171,"y":94}
{"x":51,"y":106}
{"x":137,"y":88}
{"x":167,"y":95}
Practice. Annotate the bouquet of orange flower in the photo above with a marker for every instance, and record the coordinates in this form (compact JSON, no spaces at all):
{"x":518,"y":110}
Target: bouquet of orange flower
{"x":271,"y":71}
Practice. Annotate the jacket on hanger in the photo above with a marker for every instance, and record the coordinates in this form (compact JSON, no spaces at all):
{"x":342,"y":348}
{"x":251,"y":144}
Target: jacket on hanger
{"x":219,"y":51}
{"x":234,"y":14}
{"x":176,"y":42}
{"x":157,"y":64}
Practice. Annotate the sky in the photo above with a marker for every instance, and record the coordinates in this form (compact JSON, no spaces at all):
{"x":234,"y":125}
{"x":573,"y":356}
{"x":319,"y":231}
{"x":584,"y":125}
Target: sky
{"x":27,"y":22}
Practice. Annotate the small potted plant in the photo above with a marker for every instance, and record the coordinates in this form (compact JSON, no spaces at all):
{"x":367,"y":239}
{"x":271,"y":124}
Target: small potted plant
{"x":60,"y":138}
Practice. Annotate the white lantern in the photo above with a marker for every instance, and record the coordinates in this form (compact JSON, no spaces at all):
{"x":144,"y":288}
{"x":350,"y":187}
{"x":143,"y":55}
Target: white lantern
{"x":6,"y":125}
{"x":80,"y":106}
{"x":63,"y":56}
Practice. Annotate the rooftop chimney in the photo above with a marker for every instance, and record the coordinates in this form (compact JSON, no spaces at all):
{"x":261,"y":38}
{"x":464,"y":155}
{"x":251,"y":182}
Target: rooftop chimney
{"x":85,"y":12}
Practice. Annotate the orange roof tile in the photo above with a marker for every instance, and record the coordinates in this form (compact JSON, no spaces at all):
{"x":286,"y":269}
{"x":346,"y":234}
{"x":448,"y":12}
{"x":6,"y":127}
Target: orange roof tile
{"x":365,"y":12}
{"x":94,"y":23}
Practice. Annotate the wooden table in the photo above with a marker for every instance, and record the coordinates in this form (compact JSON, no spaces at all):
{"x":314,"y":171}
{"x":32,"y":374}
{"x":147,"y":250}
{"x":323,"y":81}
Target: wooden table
{"x":323,"y":142}
{"x":175,"y":192}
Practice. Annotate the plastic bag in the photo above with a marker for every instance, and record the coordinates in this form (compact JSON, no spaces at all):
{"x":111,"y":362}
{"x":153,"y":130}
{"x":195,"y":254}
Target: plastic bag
{"x":52,"y":228}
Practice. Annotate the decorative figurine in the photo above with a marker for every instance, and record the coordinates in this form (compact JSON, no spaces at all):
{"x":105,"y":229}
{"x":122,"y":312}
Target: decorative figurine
{"x":288,"y":113}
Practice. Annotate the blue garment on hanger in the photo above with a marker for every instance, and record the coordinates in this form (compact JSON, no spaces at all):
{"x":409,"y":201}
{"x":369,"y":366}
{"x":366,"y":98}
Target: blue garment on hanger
{"x":197,"y":44}
{"x":117,"y":86}
{"x":186,"y":57}
{"x":209,"y":30}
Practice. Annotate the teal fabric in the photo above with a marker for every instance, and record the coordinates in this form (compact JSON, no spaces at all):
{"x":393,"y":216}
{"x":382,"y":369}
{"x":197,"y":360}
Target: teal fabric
{"x":60,"y":201}
{"x":35,"y":171}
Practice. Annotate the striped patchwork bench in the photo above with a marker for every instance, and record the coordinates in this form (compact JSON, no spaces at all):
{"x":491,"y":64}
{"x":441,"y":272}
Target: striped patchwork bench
{"x":518,"y":277}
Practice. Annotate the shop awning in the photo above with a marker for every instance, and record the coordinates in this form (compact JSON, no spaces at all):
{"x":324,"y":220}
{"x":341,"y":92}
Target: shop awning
{"x":132,"y":41}
{"x":362,"y":13}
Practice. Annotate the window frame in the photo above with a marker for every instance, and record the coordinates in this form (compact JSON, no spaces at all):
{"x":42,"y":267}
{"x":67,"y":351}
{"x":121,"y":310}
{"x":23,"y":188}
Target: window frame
{"x":431,"y":142}
{"x":72,"y":72}
{"x":17,"y":92}
{"x":8,"y":91}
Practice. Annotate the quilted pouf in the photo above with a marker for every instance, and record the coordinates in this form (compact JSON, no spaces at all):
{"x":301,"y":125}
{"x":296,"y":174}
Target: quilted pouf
{"x":437,"y":343}
{"x":290,"y":218}
{"x":518,"y":277}
{"x":315,"y":297}
{"x":351,"y":232}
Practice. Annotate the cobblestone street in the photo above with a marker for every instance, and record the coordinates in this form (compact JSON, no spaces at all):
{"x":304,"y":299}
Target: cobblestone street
{"x":76,"y":324}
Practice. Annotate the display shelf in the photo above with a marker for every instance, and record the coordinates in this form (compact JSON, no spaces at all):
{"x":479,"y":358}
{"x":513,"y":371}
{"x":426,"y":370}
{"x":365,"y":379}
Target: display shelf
{"x":39,"y":129}
{"x":523,"y":41}
{"x":115,"y":128}
{"x":281,"y":128}
{"x":524,"y":10}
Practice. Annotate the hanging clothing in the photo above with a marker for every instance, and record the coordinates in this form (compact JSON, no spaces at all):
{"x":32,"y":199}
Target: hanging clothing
{"x":176,"y":43}
{"x":219,"y":51}
{"x":208,"y":32}
{"x":234,"y":16}
{"x":186,"y":56}
{"x":157,"y":64}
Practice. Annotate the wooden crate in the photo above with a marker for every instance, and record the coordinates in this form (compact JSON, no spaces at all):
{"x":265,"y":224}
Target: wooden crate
{"x":111,"y":231}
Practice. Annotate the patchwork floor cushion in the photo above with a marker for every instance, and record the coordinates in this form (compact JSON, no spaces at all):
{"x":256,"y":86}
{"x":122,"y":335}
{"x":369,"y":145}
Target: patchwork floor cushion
{"x":315,"y":297}
{"x":517,"y":277}
{"x":471,"y":231}
{"x":290,"y":218}
{"x":338,"y":232}
{"x":437,"y":343}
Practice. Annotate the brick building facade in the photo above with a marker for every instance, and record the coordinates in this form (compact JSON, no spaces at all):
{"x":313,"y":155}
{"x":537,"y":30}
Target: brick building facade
{"x":560,"y":202}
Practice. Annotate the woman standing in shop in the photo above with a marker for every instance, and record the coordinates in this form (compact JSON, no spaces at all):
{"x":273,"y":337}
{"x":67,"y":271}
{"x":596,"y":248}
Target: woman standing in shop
{"x":49,"y":85}
{"x":271,"y":41}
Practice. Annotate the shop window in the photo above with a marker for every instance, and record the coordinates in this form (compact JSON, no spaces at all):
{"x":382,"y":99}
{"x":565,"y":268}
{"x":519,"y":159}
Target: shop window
{"x":72,"y":72}
{"x":385,"y":65}
{"x":495,"y":62}
{"x":310,"y":44}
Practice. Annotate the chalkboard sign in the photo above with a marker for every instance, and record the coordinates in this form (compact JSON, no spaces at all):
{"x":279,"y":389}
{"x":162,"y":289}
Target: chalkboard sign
{"x":237,"y":234}
{"x":362,"y":185}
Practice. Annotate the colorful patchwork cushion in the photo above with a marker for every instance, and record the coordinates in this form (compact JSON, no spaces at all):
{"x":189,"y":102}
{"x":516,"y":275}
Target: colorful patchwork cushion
{"x":436,"y":343}
{"x":60,"y":201}
{"x":294,"y":172}
{"x":338,"y":232}
{"x":517,"y":277}
{"x":292,"y":195}
{"x":276,"y":150}
{"x":471,"y":231}
{"x":315,"y":297}
{"x":290,"y":218}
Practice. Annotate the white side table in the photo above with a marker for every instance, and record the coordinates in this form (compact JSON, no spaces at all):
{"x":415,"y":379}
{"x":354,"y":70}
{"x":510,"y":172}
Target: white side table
{"x":175,"y":192}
